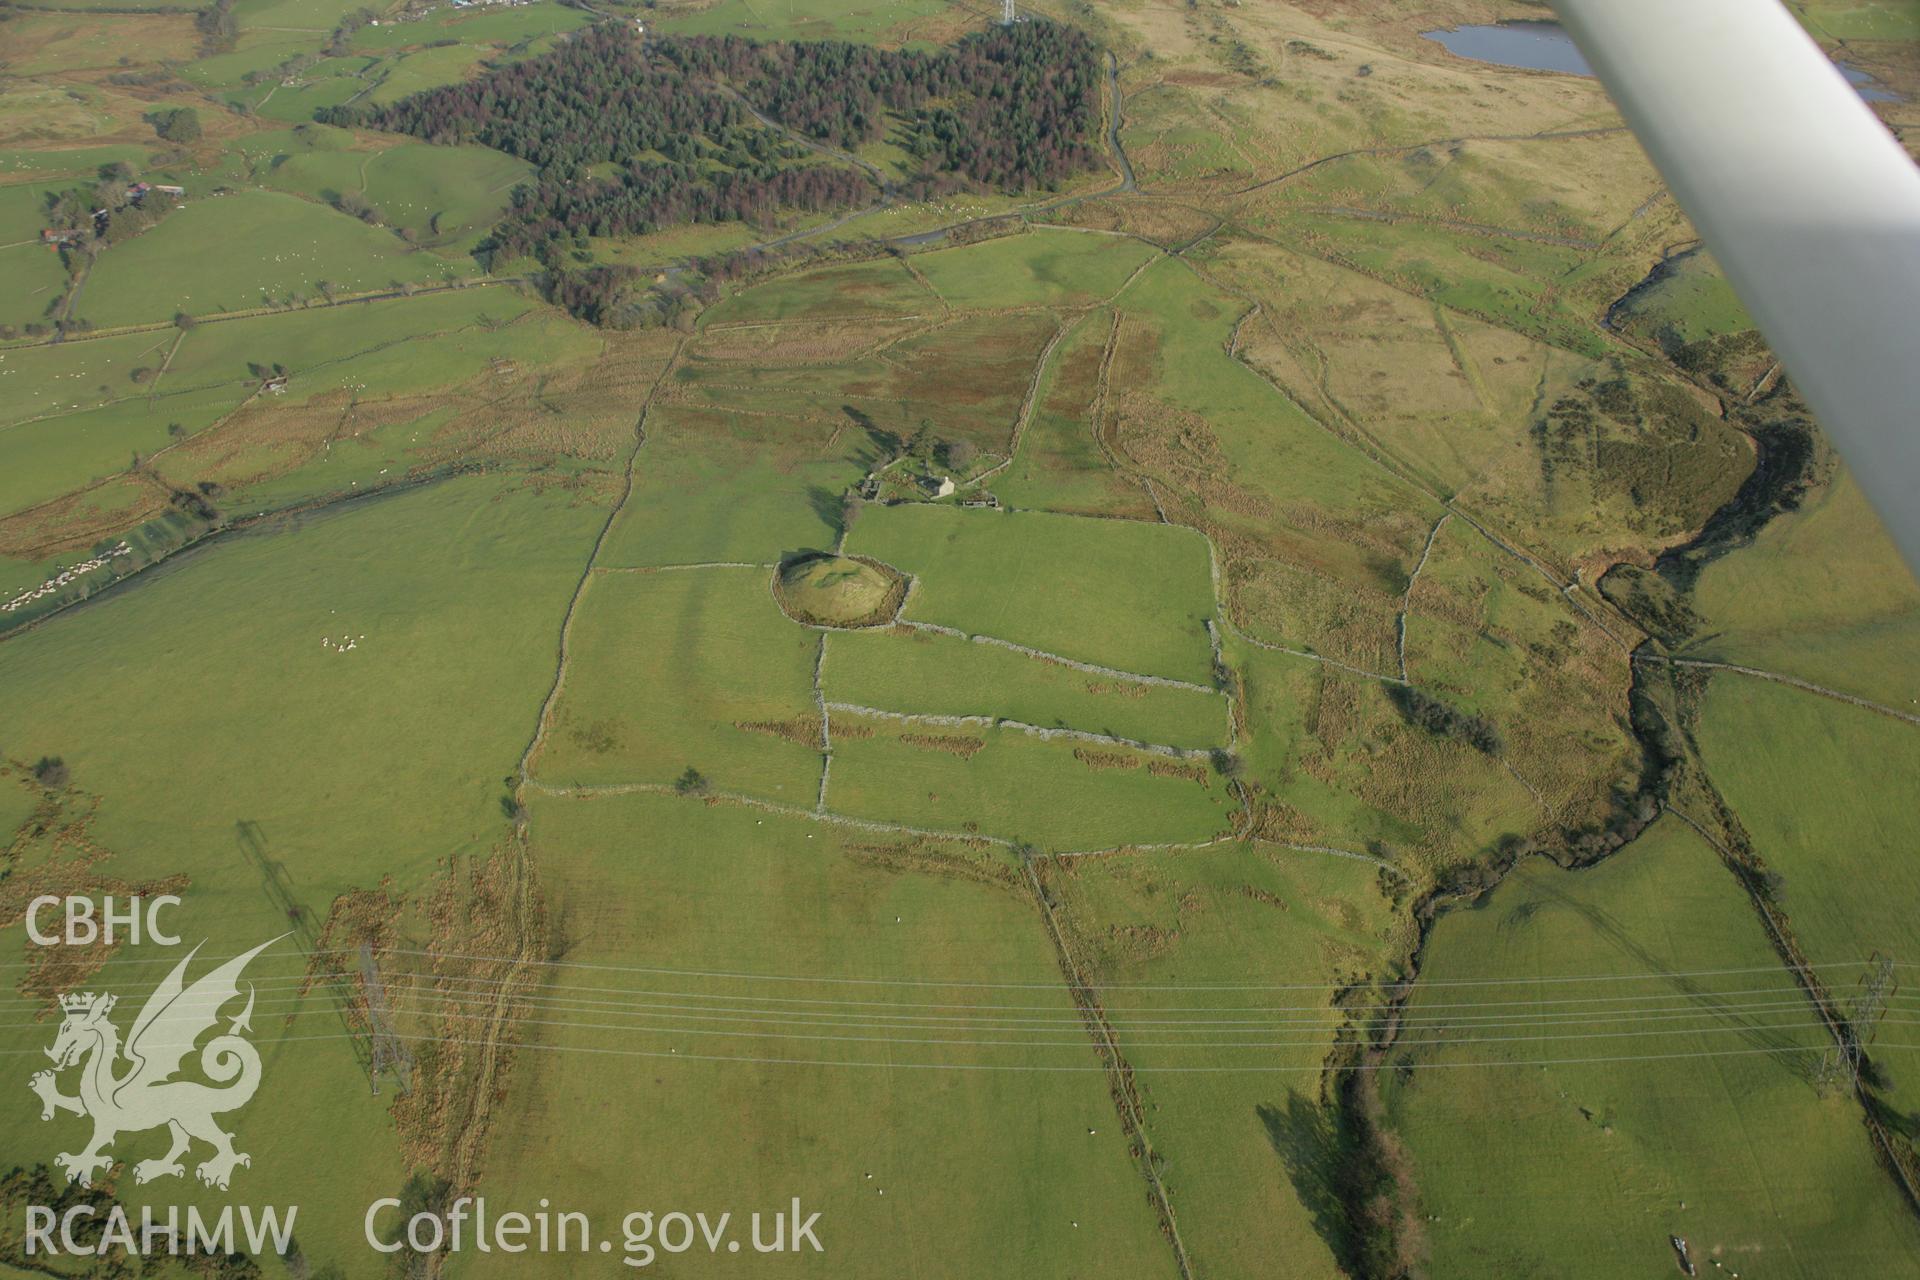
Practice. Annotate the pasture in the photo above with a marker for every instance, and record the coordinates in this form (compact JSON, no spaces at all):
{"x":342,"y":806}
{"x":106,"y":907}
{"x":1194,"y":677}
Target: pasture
{"x":785,"y":895}
{"x":881,"y":288}
{"x":1316,"y":538}
{"x":930,"y":673}
{"x":274,"y":249}
{"x":1826,"y":792}
{"x":61,"y":454}
{"x":1116,"y":593}
{"x":1058,"y":795}
{"x":444,"y":196}
{"x":449,"y":595}
{"x":958,"y":380}
{"x":1331,"y":762}
{"x":36,"y":281}
{"x":1819,"y":594}
{"x":711,"y":486}
{"x":1600,"y":1059}
{"x":1061,"y":464}
{"x":1048,"y":266}
{"x":1684,"y":300}
{"x":1217,"y":971}
{"x":692,"y":668}
{"x":869,"y":1024}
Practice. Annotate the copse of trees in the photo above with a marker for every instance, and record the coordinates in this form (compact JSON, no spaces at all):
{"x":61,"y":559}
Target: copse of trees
{"x":1443,"y":719}
{"x":176,"y":124}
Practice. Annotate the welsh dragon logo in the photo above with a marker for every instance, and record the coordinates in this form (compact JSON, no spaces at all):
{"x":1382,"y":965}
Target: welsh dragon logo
{"x":143,"y":1094}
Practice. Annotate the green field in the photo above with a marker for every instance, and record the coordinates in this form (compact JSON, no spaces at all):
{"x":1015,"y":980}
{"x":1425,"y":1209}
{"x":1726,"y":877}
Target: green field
{"x":1119,"y":594}
{"x":241,"y":615}
{"x":36,"y":281}
{"x":676,"y":670}
{"x":1668,"y":1104}
{"x":880,"y":289}
{"x":1820,"y":595}
{"x":1685,"y":302}
{"x":1216,"y":970}
{"x":441,"y":194}
{"x":928,"y":673}
{"x":1049,"y":267}
{"x":1825,"y":793}
{"x":710,"y":487}
{"x":1230,"y":833}
{"x":64,"y":453}
{"x":872,"y":974}
{"x":274,"y":249}
{"x":1057,"y":795}
{"x":332,"y":801}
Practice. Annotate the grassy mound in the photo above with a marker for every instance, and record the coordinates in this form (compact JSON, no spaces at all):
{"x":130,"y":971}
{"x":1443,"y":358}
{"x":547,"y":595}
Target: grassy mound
{"x":839,"y":591}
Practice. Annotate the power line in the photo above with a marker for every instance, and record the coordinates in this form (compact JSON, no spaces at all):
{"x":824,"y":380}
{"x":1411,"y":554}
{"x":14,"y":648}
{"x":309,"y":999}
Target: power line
{"x":1049,"y":1069}
{"x":1489,"y":1013}
{"x":1055,"y":985}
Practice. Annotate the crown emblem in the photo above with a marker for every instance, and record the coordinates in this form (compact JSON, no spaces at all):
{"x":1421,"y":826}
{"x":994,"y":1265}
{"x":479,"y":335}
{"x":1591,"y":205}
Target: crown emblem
{"x":85,"y":1001}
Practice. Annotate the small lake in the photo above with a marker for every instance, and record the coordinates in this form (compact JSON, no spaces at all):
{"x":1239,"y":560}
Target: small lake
{"x":1546,"y":46}
{"x":1541,"y":46}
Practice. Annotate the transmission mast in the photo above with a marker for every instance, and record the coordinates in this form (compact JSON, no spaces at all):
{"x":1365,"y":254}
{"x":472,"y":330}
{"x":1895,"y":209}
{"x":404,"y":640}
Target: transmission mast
{"x":1842,"y":1063}
{"x":1006,"y":13}
{"x":387,"y":1050}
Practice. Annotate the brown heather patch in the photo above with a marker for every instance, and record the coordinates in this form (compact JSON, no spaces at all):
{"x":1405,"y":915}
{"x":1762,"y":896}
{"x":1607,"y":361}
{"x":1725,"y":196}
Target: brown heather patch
{"x":266,"y":437}
{"x":854,"y":732}
{"x":1196,"y":78}
{"x":1280,"y":822}
{"x":1138,"y":942}
{"x":1187,"y":769}
{"x":952,"y":743}
{"x":599,"y":738}
{"x":1101,"y":760}
{"x":1335,"y":712}
{"x":77,"y":520}
{"x":488,"y":907}
{"x":1337,"y":617}
{"x":1076,"y":381}
{"x":1136,"y":355}
{"x":805,"y":730}
{"x":1261,"y":895}
{"x":1166,"y":225}
{"x":1179,"y":449}
{"x":966,"y":860}
{"x":1121,"y":688}
{"x":53,"y":853}
{"x":357,"y":918}
{"x":802,"y":342}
